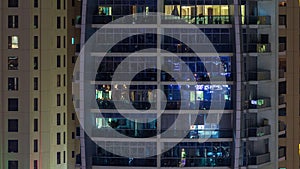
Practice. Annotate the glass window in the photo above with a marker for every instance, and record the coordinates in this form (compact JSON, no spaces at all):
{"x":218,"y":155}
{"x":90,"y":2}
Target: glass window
{"x":58,"y":100}
{"x":64,"y":137}
{"x":102,"y":10}
{"x":35,"y":104}
{"x":35,"y":21}
{"x":58,"y":61}
{"x":58,"y":80}
{"x":58,"y":158}
{"x":58,"y":138}
{"x":64,"y":118}
{"x":13,"y":21}
{"x":13,"y":3}
{"x":64,"y":80}
{"x":13,"y":63}
{"x":282,"y":20}
{"x":35,"y":42}
{"x":58,"y":4}
{"x":58,"y":119}
{"x":35,"y":125}
{"x":35,"y":164}
{"x":13,"y":104}
{"x":36,"y":3}
{"x":12,"y":146}
{"x":64,"y":157}
{"x":58,"y":42}
{"x":13,"y":42}
{"x":58,"y":22}
{"x":13,"y":83}
{"x":35,"y":83}
{"x":12,"y":125}
{"x":13,"y":164}
{"x":35,"y":146}
{"x":35,"y":63}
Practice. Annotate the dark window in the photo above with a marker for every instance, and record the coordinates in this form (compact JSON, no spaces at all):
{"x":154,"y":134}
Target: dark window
{"x":35,"y":42}
{"x":58,"y":157}
{"x":35,"y":83}
{"x":64,"y":4}
{"x":36,"y":3}
{"x":58,"y":138}
{"x":35,"y":104}
{"x":74,"y":58}
{"x":73,"y":116}
{"x":13,"y":104}
{"x":73,"y":2}
{"x":73,"y":154}
{"x":58,"y":80}
{"x":58,"y":99}
{"x":58,"y":119}
{"x":78,"y":131}
{"x":12,"y":146}
{"x":35,"y":164}
{"x":64,"y":137}
{"x":35,"y":125}
{"x":64,"y":80}
{"x":58,"y":61}
{"x":73,"y":135}
{"x":58,"y":4}
{"x":13,"y":164}
{"x":58,"y":22}
{"x":58,"y":41}
{"x":64,"y":157}
{"x":35,"y":21}
{"x":282,"y":20}
{"x":13,"y":3}
{"x":64,"y":61}
{"x":64,"y":42}
{"x":35,"y":63}
{"x":12,"y":125}
{"x":64,"y":119}
{"x":282,"y":44}
{"x":13,"y":63}
{"x":64,"y":99}
{"x":35,"y":146}
{"x":13,"y":21}
{"x":13,"y":83}
{"x":64,"y":22}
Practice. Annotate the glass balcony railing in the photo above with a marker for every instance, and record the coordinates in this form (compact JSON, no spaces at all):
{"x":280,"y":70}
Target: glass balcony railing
{"x":259,"y":131}
{"x":203,"y":105}
{"x":134,"y":133}
{"x":196,"y":134}
{"x":259,"y":159}
{"x":259,"y":75}
{"x":139,"y":105}
{"x":201,"y":19}
{"x":257,"y":48}
{"x":259,"y":103}
{"x":121,"y":161}
{"x":197,"y":161}
{"x":258,"y":20}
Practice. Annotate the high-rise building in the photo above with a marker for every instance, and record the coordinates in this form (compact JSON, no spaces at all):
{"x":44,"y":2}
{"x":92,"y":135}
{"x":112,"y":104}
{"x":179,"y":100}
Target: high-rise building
{"x":200,"y":108}
{"x":37,"y":115}
{"x":288,"y":63}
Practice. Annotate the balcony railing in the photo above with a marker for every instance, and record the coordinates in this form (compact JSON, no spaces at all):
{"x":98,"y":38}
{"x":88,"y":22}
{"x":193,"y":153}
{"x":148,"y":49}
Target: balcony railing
{"x":196,"y":134}
{"x":257,"y":48}
{"x":281,"y":73}
{"x":119,"y":133}
{"x":259,"y":131}
{"x":281,"y":99}
{"x":259,"y":159}
{"x":196,"y":161}
{"x":258,"y":20}
{"x":260,"y":103}
{"x":259,"y":75}
{"x":121,"y":161}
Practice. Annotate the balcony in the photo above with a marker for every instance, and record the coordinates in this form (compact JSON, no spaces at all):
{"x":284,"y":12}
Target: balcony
{"x":257,"y":48}
{"x":200,"y":19}
{"x":259,"y":131}
{"x":260,"y":103}
{"x":258,"y":20}
{"x":203,"y":105}
{"x":121,"y":161}
{"x":282,"y":99}
{"x":282,"y":48}
{"x":134,"y":133}
{"x":259,"y":75}
{"x":97,"y":19}
{"x":212,"y":161}
{"x":198,"y":134}
{"x":259,"y":159}
{"x":281,"y":73}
